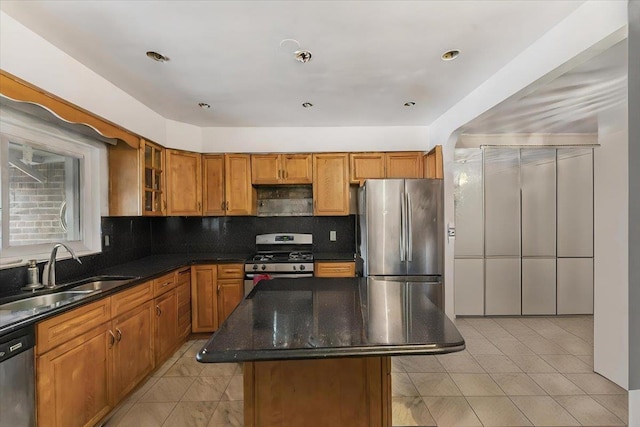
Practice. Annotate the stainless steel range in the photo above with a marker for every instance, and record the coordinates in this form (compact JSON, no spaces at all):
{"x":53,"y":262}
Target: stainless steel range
{"x":281,"y":255}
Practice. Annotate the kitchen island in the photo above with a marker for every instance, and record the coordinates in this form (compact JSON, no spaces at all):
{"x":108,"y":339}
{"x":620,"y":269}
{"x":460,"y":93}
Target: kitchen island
{"x":317,"y":351}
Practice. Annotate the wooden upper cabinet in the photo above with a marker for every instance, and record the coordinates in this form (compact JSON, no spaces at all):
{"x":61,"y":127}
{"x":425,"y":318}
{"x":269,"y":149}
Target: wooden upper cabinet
{"x":297,"y":168}
{"x":366,"y":165}
{"x":137,"y":180}
{"x":213,"y":184}
{"x":331,"y":184}
{"x":184,"y":183}
{"x":433,"y":167}
{"x":404,"y":164}
{"x":265,"y":169}
{"x":281,"y":169}
{"x":240,"y":196}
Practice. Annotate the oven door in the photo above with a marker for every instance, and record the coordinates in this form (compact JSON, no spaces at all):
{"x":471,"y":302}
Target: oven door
{"x":248,"y":278}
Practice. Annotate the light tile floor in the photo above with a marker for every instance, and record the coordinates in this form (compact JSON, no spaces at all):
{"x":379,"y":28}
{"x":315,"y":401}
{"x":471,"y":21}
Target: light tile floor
{"x":515,"y":372}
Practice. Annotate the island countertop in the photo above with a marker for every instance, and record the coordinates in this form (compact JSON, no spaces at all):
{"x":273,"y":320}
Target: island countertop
{"x":321,"y":318}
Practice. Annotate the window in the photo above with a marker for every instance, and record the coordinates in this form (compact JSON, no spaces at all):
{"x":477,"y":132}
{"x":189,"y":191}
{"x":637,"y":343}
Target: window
{"x":49,"y":190}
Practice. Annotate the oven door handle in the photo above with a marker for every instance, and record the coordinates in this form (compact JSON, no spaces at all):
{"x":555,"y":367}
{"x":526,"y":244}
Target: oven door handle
{"x":281,"y":275}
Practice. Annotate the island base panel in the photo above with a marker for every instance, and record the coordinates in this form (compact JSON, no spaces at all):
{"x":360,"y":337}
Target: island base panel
{"x":320,"y":392}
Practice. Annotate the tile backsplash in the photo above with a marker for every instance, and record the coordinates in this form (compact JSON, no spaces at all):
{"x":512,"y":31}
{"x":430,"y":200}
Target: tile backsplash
{"x":131,"y":238}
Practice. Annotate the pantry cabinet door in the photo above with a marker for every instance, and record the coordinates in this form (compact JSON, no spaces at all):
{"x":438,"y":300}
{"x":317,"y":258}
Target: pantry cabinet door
{"x":502,"y":286}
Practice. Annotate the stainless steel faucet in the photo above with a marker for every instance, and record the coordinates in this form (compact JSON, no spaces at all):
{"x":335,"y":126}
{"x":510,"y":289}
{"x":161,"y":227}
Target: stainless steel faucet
{"x":49,"y":273}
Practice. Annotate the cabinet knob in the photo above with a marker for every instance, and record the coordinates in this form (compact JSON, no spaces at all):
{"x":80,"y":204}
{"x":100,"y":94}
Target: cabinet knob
{"x":222,"y":206}
{"x":112,"y":339}
{"x":158,"y":311}
{"x":119,"y":335}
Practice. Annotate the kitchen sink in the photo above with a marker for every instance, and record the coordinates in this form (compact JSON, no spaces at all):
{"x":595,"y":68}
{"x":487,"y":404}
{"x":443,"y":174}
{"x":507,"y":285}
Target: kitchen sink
{"x":43,"y":300}
{"x":100,"y":283}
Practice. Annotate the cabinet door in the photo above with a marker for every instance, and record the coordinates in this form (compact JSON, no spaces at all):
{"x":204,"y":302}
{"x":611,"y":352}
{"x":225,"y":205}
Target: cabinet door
{"x":538,"y":173}
{"x":538,"y":286}
{"x":433,"y":167}
{"x":184,"y":186}
{"x":183,"y":292}
{"x":204,"y":305}
{"x":467,"y":193}
{"x":133,"y":356}
{"x":330,"y":184}
{"x":575,"y":202}
{"x":335,"y":269}
{"x":152,"y":159}
{"x":240,"y":195}
{"x":230,"y":293}
{"x":366,"y":165}
{"x":469,"y":286}
{"x":502,"y":286}
{"x":404,"y":165}
{"x":166,"y":325}
{"x":265,"y":169}
{"x":575,"y":285}
{"x":296,"y":168}
{"x":502,"y":202}
{"x":73,"y":381}
{"x":213,"y":185}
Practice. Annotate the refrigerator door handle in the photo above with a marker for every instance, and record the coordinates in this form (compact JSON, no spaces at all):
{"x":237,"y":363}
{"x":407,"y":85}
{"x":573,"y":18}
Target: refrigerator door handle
{"x":409,"y":230}
{"x":403,"y":232}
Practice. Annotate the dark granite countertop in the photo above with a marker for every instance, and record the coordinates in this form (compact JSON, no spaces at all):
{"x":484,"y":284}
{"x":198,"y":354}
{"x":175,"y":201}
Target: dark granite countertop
{"x":318,"y":318}
{"x":143,"y":269}
{"x":334,"y":256}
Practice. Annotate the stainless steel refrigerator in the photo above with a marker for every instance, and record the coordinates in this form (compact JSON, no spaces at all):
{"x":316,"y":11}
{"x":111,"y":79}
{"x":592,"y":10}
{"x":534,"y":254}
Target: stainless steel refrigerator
{"x":400,"y":233}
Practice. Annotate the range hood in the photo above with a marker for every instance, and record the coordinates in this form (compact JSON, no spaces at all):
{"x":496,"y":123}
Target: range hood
{"x":285,"y":200}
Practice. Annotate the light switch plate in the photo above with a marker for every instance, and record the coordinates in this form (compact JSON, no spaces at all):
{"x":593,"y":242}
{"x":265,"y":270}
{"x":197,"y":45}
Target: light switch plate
{"x":332,"y":235}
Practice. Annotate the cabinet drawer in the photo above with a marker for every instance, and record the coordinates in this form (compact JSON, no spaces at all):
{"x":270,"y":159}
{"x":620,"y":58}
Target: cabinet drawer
{"x":230,"y":271}
{"x":335,"y":269}
{"x":57,"y":330}
{"x":164,"y":283}
{"x":131,"y":298}
{"x":183,"y":276}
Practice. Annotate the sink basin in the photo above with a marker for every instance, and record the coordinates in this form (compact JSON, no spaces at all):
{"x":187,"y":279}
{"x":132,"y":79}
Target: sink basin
{"x":100,"y":283}
{"x":54,"y":300}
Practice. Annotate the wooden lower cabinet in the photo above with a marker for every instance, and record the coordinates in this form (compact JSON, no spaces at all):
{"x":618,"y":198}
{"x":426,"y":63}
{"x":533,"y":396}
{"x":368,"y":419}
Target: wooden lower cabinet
{"x":73,"y":381}
{"x":216,"y":290}
{"x":166,"y":330}
{"x":230,"y":293}
{"x":183,"y":293}
{"x":334,"y":269}
{"x":133,"y":356}
{"x":204,"y":307}
{"x":320,"y":392}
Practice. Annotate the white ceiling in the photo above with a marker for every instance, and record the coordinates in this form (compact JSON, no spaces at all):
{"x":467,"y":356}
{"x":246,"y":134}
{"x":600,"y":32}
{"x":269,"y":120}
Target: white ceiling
{"x":570,"y":103}
{"x":369,"y":57}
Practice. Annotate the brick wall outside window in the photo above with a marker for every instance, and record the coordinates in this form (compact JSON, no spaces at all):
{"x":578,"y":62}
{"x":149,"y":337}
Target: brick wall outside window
{"x":35,"y":207}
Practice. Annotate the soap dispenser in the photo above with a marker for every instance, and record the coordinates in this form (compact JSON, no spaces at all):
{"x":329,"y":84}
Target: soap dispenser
{"x":33,"y":274}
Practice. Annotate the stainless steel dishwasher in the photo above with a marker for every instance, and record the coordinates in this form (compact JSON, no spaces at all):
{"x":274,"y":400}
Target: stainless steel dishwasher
{"x":17,"y":379}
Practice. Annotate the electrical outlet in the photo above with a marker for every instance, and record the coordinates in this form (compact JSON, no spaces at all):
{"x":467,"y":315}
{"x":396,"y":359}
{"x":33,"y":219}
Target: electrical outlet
{"x":107,"y":240}
{"x":332,"y":235}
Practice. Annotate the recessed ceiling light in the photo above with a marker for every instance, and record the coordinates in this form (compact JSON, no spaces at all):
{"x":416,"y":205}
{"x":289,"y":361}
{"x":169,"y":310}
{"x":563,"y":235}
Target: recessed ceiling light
{"x":307,"y":104}
{"x":409,"y":104}
{"x":450,"y":55}
{"x":302,"y":56}
{"x":204,"y":105}
{"x":157,"y":56}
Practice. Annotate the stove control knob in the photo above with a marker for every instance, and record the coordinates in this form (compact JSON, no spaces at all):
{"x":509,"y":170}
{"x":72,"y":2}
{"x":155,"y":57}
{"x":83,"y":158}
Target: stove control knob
{"x":301,"y":267}
{"x":255,"y":267}
{"x":264,"y":267}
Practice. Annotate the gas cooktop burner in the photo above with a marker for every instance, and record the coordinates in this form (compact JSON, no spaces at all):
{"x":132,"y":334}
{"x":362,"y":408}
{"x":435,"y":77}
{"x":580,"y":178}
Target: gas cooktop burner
{"x":283,"y":257}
